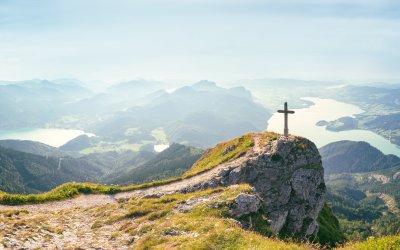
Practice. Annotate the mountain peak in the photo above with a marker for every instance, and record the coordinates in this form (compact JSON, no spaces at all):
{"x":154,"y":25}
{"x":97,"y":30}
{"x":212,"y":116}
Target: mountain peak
{"x":285,"y":172}
{"x":205,"y":85}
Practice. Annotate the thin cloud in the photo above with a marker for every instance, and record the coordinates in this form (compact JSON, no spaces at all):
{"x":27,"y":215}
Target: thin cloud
{"x":221,"y":40}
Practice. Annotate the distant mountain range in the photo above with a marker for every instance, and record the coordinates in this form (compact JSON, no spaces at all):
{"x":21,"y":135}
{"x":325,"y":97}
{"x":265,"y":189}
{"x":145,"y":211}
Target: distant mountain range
{"x":133,"y":114}
{"x":32,"y":147}
{"x":36,"y":102}
{"x":200,"y":115}
{"x":118,"y":97}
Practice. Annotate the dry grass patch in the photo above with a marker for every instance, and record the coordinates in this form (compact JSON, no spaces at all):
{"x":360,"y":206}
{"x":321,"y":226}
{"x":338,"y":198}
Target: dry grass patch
{"x":221,"y":153}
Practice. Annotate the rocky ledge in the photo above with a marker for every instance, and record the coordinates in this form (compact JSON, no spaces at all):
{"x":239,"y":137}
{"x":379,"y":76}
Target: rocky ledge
{"x":287,"y":176}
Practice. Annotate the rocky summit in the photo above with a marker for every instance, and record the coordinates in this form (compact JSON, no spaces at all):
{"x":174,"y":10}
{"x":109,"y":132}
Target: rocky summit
{"x":259,"y":182}
{"x":287,"y":175}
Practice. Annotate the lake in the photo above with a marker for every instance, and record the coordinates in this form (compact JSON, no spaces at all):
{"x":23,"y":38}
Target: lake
{"x":51,"y":136}
{"x":160,"y":147}
{"x":303,"y":123}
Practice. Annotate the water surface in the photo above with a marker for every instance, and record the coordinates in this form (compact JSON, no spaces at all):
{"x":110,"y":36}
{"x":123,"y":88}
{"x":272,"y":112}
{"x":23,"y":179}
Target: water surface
{"x":51,"y":136}
{"x":303,"y":123}
{"x":160,"y":147}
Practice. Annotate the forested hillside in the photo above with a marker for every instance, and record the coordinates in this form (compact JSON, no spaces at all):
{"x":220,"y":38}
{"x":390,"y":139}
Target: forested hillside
{"x":363,"y":188}
{"x":22,"y":172}
{"x":28,"y":173}
{"x":172,"y":162}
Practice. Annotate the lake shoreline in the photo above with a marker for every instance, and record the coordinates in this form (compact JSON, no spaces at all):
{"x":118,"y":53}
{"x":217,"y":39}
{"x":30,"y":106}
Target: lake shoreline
{"x":304,"y":123}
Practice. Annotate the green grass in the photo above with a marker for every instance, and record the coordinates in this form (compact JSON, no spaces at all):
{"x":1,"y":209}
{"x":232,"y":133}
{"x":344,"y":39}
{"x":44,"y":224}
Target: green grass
{"x":382,"y":243}
{"x":258,"y":222}
{"x":71,"y":190}
{"x":65,"y":191}
{"x":266,"y":137}
{"x":221,"y":153}
{"x":119,"y":146}
{"x":329,"y":230}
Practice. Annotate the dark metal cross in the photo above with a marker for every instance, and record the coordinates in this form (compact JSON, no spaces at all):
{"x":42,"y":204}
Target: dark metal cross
{"x":286,"y":112}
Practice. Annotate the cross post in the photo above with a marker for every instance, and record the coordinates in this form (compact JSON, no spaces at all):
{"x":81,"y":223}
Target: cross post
{"x":286,"y":112}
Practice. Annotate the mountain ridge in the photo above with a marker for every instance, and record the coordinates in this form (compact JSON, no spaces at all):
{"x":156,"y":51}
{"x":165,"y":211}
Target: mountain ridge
{"x":352,"y":157}
{"x":32,"y":147}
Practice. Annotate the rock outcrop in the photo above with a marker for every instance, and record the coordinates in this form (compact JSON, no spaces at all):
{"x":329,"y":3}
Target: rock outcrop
{"x":245,"y":204}
{"x":286,"y":174}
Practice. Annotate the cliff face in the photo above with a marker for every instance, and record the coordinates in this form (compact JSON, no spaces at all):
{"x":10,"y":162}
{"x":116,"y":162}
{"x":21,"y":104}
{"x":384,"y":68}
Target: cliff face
{"x":286,"y":174}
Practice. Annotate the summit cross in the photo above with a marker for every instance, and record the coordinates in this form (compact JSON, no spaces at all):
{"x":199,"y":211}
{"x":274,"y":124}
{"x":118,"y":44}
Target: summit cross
{"x":286,"y":112}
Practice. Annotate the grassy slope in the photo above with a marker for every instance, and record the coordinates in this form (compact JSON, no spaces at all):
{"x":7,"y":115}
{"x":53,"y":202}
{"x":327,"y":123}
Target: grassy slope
{"x":70,"y":190}
{"x":221,"y":153}
{"x":157,"y":223}
{"x":382,"y":243}
{"x":329,"y":230}
{"x":210,"y":224}
{"x":227,"y":151}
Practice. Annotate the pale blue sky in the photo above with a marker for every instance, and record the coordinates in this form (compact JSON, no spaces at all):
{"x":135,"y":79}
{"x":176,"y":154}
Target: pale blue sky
{"x":219,"y":40}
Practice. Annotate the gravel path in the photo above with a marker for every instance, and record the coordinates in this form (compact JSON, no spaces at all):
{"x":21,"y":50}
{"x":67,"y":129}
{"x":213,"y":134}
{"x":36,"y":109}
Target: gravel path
{"x":87,"y":201}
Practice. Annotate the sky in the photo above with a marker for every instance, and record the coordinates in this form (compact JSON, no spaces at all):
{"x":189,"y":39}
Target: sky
{"x":221,"y":40}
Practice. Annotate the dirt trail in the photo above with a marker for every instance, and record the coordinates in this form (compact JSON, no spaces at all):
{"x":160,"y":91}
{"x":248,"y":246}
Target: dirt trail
{"x":86,"y":201}
{"x":257,"y":143}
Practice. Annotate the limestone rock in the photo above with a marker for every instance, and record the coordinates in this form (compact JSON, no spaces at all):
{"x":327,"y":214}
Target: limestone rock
{"x":287,"y":175}
{"x":245,"y":204}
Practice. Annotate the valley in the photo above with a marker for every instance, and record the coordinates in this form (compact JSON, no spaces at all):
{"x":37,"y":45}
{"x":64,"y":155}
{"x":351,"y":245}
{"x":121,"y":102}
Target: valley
{"x":362,"y":188}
